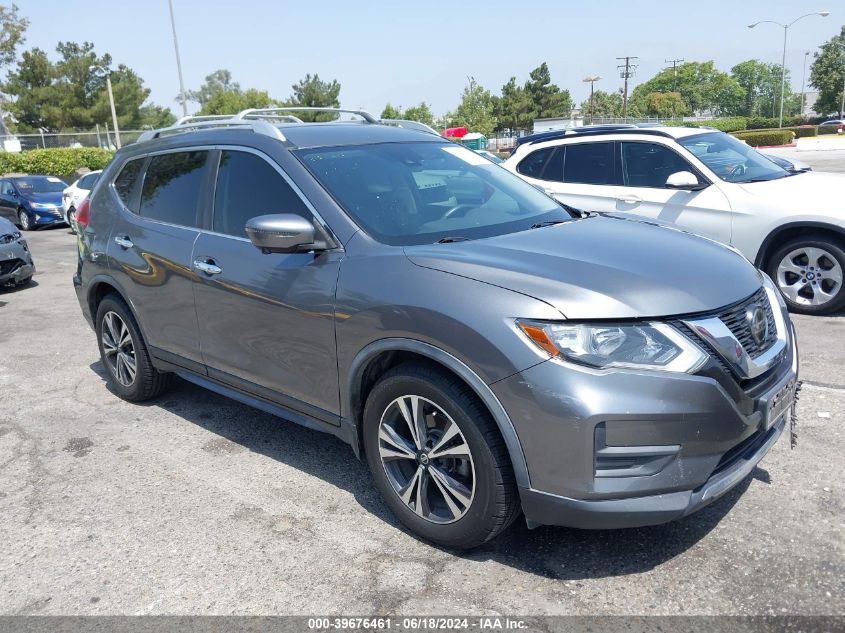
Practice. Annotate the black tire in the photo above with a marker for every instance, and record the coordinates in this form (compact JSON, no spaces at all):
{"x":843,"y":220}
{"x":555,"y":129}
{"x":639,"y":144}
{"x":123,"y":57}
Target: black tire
{"x":24,"y":221}
{"x":71,"y":219}
{"x":495,"y":502}
{"x":835,"y":253}
{"x":147,"y":382}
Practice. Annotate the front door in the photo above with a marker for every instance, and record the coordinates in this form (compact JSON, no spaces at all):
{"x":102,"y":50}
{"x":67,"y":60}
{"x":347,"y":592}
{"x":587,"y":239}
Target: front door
{"x":645,"y":167}
{"x":266,"y":321}
{"x":8,"y":202}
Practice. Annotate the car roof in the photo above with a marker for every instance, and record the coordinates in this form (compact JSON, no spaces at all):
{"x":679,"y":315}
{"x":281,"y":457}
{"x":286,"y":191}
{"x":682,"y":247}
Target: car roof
{"x":305,"y":135}
{"x":586,"y":131}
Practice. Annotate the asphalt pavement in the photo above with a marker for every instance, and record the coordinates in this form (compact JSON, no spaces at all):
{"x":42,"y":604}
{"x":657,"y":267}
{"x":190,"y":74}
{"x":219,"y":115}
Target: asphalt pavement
{"x":195,"y":504}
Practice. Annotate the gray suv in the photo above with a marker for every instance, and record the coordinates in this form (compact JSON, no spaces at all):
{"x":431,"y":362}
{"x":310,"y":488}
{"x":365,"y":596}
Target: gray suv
{"x":488,"y":350}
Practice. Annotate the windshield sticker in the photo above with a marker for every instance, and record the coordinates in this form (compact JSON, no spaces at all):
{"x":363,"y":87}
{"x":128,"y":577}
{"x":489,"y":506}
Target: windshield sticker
{"x":53,"y":179}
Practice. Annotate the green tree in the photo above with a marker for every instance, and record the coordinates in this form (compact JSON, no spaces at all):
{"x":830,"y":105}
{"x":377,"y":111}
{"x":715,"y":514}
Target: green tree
{"x":390,"y":112}
{"x":314,"y":92}
{"x":827,"y":73}
{"x":547,"y":99}
{"x":665,"y":104}
{"x":605,"y":104}
{"x":224,"y":102}
{"x":703,"y":88}
{"x":761,"y":83}
{"x":421,"y":112}
{"x":514,"y":109}
{"x":475,"y":112}
{"x":155,"y":116}
{"x":12,"y":29}
{"x":218,"y":81}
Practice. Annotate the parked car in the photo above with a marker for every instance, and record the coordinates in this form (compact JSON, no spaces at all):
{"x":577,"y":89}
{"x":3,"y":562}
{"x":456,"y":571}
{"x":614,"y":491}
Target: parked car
{"x":789,"y":224}
{"x":487,"y":350}
{"x":489,"y":156}
{"x":789,"y":164}
{"x":32,"y":202}
{"x":76,"y":193}
{"x":16,"y":267}
{"x":838,"y":123}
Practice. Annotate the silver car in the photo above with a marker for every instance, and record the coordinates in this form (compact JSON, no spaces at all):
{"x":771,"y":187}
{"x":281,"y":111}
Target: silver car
{"x":16,"y":267}
{"x":488,"y":351}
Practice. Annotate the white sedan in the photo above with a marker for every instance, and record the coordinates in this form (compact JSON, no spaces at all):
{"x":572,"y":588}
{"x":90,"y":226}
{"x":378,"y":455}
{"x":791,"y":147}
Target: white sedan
{"x":76,"y":193}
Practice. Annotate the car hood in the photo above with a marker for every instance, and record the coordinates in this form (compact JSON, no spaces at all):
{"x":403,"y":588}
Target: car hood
{"x":812,"y":190}
{"x":602,"y":268}
{"x":52,"y":197}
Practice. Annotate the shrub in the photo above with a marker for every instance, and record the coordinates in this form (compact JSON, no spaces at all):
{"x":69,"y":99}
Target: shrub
{"x":59,"y":161}
{"x":756,"y":138}
{"x":730,"y":124}
{"x":765,"y":123}
{"x":828,"y":129}
{"x":805,"y":131}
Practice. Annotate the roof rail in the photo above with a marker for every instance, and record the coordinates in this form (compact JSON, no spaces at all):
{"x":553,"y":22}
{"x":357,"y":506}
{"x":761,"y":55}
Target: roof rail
{"x":257,"y":126}
{"x":268,"y":112}
{"x":411,"y":125}
{"x":607,"y":128}
{"x":192,"y":118}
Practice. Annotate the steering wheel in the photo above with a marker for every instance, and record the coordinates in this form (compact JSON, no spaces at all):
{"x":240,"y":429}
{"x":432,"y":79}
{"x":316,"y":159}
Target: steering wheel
{"x":458,"y":211}
{"x":738,"y":170}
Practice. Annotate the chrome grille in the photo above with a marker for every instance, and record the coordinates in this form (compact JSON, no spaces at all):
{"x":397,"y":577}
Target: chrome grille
{"x":735,"y":319}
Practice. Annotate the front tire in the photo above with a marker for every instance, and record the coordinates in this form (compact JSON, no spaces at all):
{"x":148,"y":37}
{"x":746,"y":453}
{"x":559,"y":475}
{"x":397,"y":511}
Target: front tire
{"x":808,"y":271}
{"x":71,"y":219}
{"x":437,"y":457}
{"x":24,"y":221}
{"x":130,"y":372}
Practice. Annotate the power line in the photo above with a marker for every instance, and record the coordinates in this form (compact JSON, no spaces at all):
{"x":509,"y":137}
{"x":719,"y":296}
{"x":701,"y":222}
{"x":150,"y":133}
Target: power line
{"x":626,"y":71}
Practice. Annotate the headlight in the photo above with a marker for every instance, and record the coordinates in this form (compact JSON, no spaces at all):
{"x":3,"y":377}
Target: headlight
{"x":633,"y":345}
{"x":43,"y":205}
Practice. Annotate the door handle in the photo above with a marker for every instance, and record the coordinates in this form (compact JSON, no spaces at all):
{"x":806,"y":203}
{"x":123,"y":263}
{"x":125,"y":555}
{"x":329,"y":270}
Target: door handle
{"x":629,"y":199}
{"x":207,"y":265}
{"x":123,"y":241}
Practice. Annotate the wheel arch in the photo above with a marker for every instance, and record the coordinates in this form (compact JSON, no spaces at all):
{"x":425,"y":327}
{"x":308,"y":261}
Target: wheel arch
{"x":791,"y":230}
{"x":101,"y":286}
{"x":377,"y":357}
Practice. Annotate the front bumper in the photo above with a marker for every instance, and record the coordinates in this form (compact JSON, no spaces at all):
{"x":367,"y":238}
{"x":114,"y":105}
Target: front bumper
{"x":707,"y":431}
{"x":16,"y":263}
{"x":48,"y":217}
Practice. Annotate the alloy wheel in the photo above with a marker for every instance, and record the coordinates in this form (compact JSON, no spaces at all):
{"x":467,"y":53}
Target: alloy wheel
{"x":119,"y":349}
{"x":427,"y":459}
{"x":24,"y":220}
{"x":809,"y":276}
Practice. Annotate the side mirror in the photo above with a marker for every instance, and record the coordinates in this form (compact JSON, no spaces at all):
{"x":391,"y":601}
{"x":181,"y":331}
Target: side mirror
{"x":283,"y":233}
{"x":684,"y":180}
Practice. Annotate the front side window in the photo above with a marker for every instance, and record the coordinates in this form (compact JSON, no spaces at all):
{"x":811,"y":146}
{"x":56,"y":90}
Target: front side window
{"x":248,"y":186}
{"x":5,"y":188}
{"x":589,"y":164}
{"x":172,"y":187}
{"x":125,"y":182}
{"x":418,"y":193}
{"x":731,"y":159}
{"x":650,"y":164}
{"x":88,"y":181}
{"x":533,"y":164}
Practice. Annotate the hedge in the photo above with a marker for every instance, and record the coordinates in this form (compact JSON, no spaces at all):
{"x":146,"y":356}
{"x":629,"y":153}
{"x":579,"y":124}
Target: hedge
{"x":59,"y":161}
{"x":731,"y":124}
{"x":804,"y":131}
{"x":828,"y":129}
{"x":765,"y":123}
{"x":757,"y":138}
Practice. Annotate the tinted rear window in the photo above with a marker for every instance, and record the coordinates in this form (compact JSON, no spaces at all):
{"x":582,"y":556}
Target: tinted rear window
{"x":125,"y":182}
{"x":172,"y":187}
{"x":589,"y":163}
{"x":532,"y":165}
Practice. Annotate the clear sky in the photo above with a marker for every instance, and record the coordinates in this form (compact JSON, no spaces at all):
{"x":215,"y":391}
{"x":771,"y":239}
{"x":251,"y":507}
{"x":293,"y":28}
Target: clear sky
{"x":405,"y":52}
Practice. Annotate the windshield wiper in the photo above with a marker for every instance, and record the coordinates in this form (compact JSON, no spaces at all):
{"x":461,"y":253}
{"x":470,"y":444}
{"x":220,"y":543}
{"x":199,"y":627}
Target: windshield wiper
{"x":540,"y":225}
{"x":451,"y":239}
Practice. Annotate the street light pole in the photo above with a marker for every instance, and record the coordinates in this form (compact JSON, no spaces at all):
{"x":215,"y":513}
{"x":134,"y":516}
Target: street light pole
{"x":842,"y":103}
{"x":178,"y":61}
{"x":592,"y":80}
{"x":785,"y":28}
{"x":803,"y":83}
{"x":100,"y":71}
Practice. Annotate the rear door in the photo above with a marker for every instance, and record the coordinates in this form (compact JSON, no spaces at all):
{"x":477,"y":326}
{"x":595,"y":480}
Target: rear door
{"x":645,"y":166}
{"x":266,"y":321}
{"x":150,"y":247}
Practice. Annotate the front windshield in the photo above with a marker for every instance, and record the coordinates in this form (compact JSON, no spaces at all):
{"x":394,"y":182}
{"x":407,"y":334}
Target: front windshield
{"x":40,"y":185}
{"x":731,"y":159}
{"x":418,"y":193}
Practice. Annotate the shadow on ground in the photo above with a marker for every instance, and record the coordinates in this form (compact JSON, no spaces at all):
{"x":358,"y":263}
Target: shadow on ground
{"x":550,"y":552}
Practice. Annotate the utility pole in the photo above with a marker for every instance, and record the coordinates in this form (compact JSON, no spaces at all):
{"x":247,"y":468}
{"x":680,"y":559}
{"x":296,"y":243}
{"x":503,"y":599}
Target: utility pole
{"x":803,"y":83}
{"x":626,"y":71}
{"x":674,"y":63}
{"x":178,"y":61}
{"x":842,"y":103}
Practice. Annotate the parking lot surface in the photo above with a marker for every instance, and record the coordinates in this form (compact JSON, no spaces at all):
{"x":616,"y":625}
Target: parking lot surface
{"x":195,"y":504}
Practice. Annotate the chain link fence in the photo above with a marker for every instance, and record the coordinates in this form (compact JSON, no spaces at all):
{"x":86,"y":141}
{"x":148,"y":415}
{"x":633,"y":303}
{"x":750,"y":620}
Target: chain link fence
{"x":97,"y":138}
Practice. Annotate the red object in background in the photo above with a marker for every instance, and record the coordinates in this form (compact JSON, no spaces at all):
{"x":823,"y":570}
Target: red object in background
{"x":455,"y":132}
{"x":83,"y":214}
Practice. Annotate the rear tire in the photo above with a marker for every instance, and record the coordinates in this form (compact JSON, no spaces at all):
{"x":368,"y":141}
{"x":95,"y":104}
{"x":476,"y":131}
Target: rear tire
{"x":129,"y":370}
{"x":417,"y":472}
{"x":71,"y":219}
{"x":809,"y":271}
